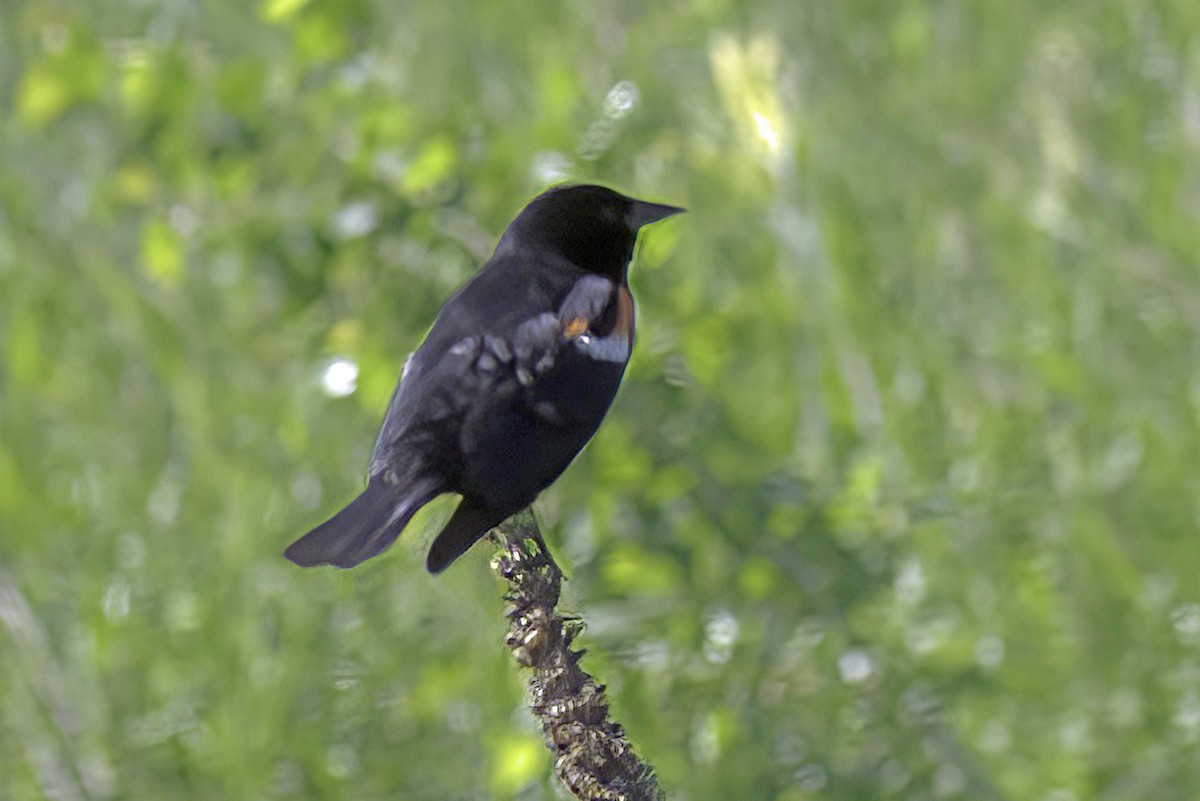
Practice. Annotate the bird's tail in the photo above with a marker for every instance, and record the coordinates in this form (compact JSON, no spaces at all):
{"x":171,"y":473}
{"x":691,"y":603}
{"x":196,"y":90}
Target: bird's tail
{"x":363,"y":529}
{"x":469,"y":522}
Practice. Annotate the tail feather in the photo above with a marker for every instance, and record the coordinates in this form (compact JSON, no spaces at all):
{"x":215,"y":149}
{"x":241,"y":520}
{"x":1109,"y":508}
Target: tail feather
{"x":469,"y":522}
{"x":363,"y":529}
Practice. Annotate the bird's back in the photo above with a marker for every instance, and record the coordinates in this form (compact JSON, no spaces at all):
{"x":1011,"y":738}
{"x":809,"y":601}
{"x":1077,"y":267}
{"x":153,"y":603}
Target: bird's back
{"x":447,"y":385}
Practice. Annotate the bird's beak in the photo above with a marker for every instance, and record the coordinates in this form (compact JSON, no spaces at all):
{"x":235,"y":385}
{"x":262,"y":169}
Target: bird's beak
{"x":643,"y":213}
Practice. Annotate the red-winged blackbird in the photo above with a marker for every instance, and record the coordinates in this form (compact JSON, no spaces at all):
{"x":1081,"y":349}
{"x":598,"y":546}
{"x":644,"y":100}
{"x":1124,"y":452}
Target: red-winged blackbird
{"x":513,"y":379}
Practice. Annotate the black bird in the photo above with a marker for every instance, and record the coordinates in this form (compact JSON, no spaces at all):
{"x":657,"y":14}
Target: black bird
{"x":513,"y":379}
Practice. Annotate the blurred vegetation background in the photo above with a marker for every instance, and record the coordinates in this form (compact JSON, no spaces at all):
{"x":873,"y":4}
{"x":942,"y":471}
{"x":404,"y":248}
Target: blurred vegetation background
{"x":899,"y":499}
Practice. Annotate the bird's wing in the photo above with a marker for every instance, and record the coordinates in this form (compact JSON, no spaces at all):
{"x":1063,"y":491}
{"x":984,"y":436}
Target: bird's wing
{"x":531,"y":361}
{"x":594,"y":321}
{"x":597,"y":318}
{"x":466,"y":365}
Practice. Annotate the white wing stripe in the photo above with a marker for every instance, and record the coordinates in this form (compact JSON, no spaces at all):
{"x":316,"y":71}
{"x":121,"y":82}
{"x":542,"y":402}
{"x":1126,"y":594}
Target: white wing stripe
{"x":612,"y":348}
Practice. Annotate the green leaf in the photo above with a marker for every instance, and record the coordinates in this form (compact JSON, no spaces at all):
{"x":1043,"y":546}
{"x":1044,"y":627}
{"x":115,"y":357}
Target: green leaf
{"x":162,"y":253}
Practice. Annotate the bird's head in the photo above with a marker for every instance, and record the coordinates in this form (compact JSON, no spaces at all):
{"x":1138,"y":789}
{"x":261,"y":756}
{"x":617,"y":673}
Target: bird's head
{"x":591,"y":226}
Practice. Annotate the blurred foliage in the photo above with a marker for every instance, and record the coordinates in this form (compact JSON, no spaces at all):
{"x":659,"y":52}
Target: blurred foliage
{"x":899,"y":499}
